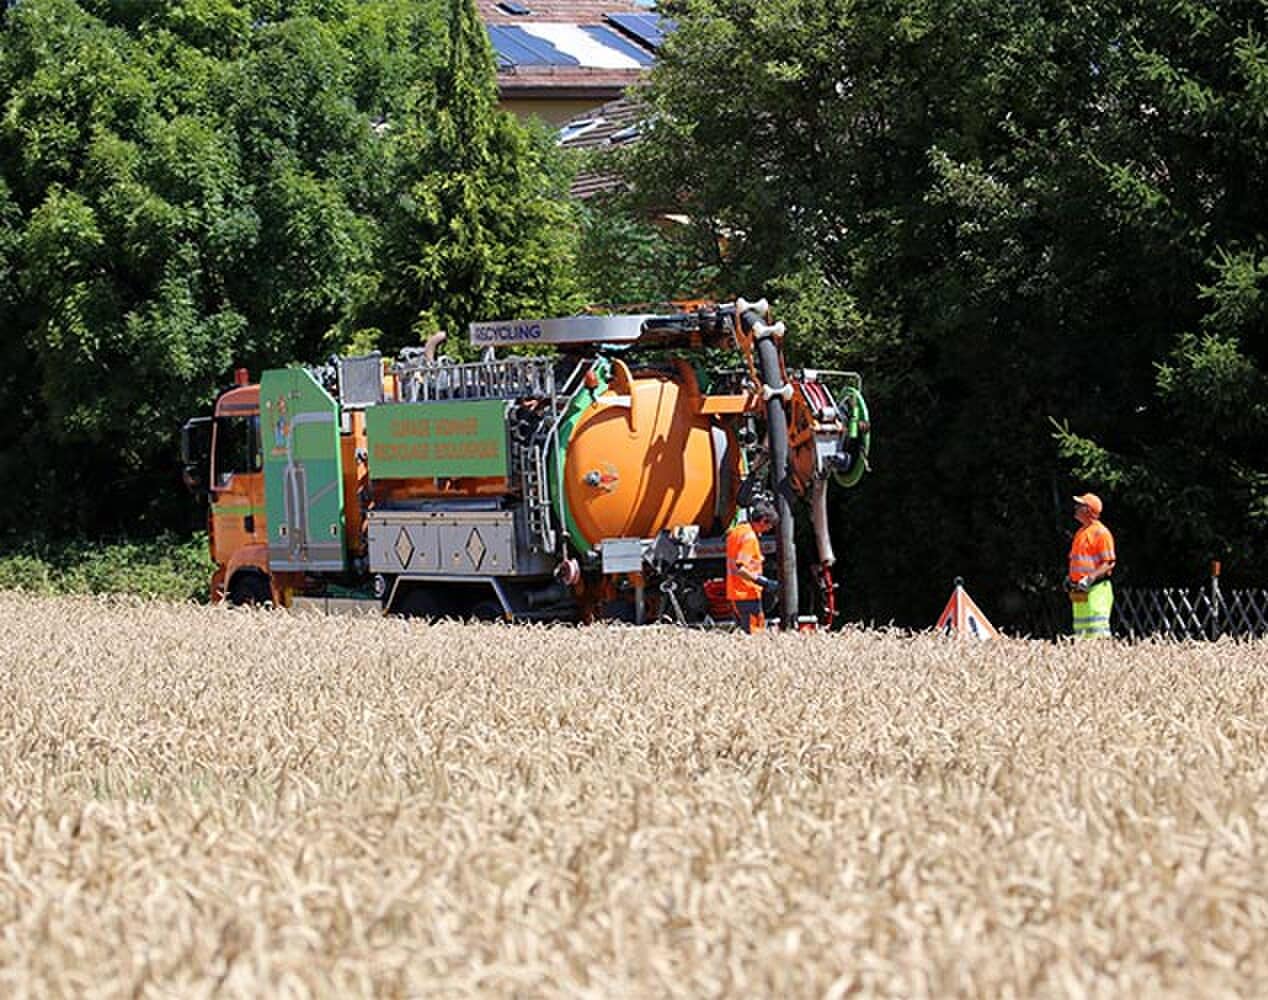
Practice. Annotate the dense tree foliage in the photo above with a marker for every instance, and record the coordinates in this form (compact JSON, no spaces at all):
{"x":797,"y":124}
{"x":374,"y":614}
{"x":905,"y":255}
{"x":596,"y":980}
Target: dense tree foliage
{"x":628,"y":256}
{"x":186,"y":187}
{"x":1037,"y":227}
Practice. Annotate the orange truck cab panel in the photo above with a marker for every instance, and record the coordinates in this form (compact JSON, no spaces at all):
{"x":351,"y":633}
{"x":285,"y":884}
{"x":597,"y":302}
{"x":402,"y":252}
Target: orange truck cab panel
{"x":236,"y":518}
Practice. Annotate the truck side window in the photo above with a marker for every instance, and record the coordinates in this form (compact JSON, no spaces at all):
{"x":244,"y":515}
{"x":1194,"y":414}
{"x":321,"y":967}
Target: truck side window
{"x":237,"y":447}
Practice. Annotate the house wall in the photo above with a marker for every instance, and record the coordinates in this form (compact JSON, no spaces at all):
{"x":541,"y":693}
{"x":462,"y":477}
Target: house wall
{"x":555,"y":111}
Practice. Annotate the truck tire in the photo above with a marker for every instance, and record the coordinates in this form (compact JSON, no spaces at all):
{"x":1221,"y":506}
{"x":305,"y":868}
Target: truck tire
{"x":420,"y":602}
{"x":487,"y":611}
{"x":250,"y":588}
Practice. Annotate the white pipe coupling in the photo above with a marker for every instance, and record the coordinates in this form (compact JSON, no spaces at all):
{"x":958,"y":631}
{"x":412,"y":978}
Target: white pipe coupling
{"x":763,"y":330}
{"x":785,"y":393}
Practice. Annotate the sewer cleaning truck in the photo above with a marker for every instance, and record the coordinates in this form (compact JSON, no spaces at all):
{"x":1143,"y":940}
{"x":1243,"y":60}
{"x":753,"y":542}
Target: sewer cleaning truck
{"x":593,"y":477}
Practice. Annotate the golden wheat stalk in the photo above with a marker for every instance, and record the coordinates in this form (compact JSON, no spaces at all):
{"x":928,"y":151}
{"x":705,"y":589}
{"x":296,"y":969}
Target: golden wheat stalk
{"x":202,"y":802}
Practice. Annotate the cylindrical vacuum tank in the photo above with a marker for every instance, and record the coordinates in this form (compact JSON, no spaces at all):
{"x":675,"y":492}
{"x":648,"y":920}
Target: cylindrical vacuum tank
{"x":639,"y":463}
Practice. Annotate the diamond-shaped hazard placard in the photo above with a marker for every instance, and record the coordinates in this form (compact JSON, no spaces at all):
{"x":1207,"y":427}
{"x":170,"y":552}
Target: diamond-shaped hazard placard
{"x":404,"y":548}
{"x":475,"y":548}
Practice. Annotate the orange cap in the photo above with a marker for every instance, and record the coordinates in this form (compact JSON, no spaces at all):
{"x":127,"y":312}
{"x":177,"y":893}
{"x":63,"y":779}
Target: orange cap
{"x":1092,"y":502}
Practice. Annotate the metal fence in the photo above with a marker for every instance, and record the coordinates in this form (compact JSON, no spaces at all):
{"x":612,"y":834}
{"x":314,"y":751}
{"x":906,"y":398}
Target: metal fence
{"x":1191,"y":613}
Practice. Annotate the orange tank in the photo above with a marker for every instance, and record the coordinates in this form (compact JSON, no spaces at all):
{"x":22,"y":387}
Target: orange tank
{"x":644,"y":457}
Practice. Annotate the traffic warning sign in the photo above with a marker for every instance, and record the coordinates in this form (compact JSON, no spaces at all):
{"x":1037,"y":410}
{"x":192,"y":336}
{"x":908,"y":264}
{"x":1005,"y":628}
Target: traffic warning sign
{"x":964,"y":618}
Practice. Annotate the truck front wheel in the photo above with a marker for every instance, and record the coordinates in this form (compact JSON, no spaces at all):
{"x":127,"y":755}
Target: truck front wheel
{"x":249,"y":588}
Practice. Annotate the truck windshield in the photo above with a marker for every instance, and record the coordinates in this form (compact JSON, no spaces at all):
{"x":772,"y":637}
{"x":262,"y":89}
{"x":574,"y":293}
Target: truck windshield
{"x":237,"y":447}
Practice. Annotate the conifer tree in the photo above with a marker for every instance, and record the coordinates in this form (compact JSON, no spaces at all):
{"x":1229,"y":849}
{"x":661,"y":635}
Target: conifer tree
{"x":485,"y":228}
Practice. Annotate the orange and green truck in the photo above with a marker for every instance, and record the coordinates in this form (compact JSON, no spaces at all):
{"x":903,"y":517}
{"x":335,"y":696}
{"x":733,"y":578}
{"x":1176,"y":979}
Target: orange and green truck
{"x":593,"y":476}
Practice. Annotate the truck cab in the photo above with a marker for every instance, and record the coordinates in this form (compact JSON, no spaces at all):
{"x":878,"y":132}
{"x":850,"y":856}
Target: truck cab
{"x":223,"y":459}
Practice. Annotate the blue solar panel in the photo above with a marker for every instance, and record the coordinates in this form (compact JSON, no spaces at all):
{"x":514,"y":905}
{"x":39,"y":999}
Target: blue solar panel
{"x":650,"y":29}
{"x":516,"y":47}
{"x":609,"y":39}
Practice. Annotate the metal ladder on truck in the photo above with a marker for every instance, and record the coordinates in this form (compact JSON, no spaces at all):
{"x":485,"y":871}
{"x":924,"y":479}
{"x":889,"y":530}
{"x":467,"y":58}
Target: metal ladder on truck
{"x":534,"y":469}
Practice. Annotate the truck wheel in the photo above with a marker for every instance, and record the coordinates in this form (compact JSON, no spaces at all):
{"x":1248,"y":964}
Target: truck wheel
{"x":420,"y":602}
{"x":487,"y":611}
{"x":250,"y":589}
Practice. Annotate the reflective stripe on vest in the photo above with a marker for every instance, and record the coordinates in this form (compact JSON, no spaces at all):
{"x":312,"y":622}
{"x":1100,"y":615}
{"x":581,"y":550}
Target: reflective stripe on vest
{"x":1092,"y":548}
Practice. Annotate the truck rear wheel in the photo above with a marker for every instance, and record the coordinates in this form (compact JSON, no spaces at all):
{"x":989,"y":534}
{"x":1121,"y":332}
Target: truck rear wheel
{"x":487,"y":611}
{"x":420,"y":602}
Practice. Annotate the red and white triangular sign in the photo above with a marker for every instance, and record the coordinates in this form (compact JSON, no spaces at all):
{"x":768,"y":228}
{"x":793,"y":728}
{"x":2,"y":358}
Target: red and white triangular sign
{"x":964,"y":618}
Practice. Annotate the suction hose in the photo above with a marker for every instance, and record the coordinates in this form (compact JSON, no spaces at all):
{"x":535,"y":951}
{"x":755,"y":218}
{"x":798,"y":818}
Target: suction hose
{"x":432,"y":344}
{"x":768,"y":368}
{"x":819,"y":517}
{"x":823,"y":542}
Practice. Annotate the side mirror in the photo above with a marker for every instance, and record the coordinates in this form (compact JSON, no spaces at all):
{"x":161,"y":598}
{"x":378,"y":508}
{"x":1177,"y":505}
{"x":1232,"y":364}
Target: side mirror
{"x":196,"y":453}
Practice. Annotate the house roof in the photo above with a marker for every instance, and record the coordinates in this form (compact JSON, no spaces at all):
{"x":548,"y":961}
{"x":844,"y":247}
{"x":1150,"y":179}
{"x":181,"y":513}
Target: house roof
{"x":571,"y":48}
{"x":614,"y":124}
{"x":566,"y":11}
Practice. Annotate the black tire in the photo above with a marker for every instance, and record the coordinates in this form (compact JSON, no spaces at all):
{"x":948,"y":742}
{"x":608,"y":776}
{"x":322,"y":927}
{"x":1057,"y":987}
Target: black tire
{"x":487,"y":611}
{"x":420,"y":602}
{"x":250,"y":588}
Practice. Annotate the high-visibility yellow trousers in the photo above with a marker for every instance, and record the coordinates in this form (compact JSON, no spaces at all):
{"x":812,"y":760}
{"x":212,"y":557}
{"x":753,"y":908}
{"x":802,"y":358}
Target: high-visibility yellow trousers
{"x":1092,"y":615}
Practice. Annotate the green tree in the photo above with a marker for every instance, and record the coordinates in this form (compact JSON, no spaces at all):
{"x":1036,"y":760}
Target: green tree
{"x":185,"y":188}
{"x":625,"y":257}
{"x":1003,"y":213}
{"x":1200,"y":471}
{"x":482,"y":227}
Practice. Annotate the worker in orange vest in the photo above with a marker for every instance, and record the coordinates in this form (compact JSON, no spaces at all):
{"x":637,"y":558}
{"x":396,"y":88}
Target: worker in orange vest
{"x":744,"y":581}
{"x":1092,"y":560}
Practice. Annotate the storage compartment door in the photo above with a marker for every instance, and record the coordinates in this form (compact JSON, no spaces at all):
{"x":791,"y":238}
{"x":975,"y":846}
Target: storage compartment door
{"x":303,"y":472}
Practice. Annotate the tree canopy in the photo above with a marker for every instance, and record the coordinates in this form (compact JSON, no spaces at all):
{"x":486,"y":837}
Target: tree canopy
{"x":189,"y":187}
{"x":1036,"y":227}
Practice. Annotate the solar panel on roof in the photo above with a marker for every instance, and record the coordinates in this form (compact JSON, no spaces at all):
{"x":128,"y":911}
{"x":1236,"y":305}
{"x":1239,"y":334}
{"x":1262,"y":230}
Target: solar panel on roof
{"x":609,"y":39}
{"x":591,"y":46}
{"x":649,"y":29}
{"x":516,"y":47}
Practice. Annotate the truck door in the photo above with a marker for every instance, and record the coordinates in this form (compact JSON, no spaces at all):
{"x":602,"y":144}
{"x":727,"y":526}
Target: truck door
{"x":234,"y":480}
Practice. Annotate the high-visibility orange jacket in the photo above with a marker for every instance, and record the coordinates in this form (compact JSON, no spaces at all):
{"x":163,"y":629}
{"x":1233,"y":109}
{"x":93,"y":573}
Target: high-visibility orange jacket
{"x":743,"y":551}
{"x":1092,"y":548}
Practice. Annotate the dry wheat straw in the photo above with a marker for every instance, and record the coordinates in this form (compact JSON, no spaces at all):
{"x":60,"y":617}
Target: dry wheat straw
{"x":202,"y":802}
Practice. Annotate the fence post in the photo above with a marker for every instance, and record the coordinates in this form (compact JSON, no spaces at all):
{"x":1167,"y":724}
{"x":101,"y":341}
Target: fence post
{"x":1216,"y":602}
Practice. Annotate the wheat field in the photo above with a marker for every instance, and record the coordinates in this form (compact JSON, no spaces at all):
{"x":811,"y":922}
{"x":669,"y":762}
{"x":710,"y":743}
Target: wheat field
{"x":201,"y":802}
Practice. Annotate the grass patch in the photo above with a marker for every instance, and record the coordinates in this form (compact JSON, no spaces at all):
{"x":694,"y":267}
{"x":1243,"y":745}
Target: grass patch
{"x":172,"y":567}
